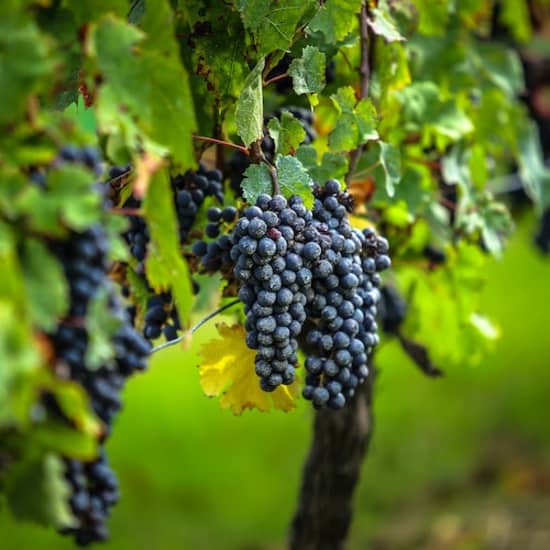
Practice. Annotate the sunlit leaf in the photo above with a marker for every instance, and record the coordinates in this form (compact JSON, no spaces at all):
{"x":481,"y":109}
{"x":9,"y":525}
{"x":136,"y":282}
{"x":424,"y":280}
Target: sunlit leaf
{"x":227,"y":371}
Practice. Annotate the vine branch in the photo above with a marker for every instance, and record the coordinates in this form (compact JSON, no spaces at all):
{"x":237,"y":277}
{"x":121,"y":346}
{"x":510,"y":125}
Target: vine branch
{"x":364,"y":71}
{"x":194,"y":328}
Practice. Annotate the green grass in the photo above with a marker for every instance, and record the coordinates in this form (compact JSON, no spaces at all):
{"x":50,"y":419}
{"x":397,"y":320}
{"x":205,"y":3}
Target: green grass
{"x":194,"y":476}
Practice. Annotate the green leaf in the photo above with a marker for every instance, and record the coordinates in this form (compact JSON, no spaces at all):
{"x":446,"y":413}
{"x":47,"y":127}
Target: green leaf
{"x":384,"y":161}
{"x":74,"y":402}
{"x":457,"y":286}
{"x":63,"y":27}
{"x":220,"y":56}
{"x":433,"y":16}
{"x":515,"y":15}
{"x":478,"y":214}
{"x":250,"y":111}
{"x":425,"y":111}
{"x":164,"y":263}
{"x":356,"y":123}
{"x":26,"y":65}
{"x":413,"y":190}
{"x":497,"y":227}
{"x":86,"y":11}
{"x":101,"y":327}
{"x":159,"y":17}
{"x":294,"y":179}
{"x":501,"y":66}
{"x":18,"y":350}
{"x":287,"y":133}
{"x":56,"y":435}
{"x":172,"y":119}
{"x":336,"y":19}
{"x":145,"y":95}
{"x":454,"y":166}
{"x":273,"y":23}
{"x":333,"y":165}
{"x":257,"y":180}
{"x":36,"y":491}
{"x":534,"y":173}
{"x":68,"y":199}
{"x":308,"y":71}
{"x":45,"y":284}
{"x":383,"y":24}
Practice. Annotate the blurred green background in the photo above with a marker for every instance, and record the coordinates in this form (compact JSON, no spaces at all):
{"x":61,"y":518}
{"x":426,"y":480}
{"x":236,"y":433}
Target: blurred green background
{"x":461,"y":462}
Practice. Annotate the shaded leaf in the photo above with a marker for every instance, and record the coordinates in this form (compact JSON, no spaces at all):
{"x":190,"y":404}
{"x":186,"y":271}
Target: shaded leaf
{"x":36,"y":491}
{"x":356,"y":123}
{"x":287,"y":133}
{"x":25,"y":61}
{"x":383,"y":24}
{"x":273,"y":23}
{"x":308,"y":71}
{"x":250,"y":110}
{"x":165,"y":266}
{"x":534,"y":173}
{"x":384,"y":161}
{"x":144,"y":92}
{"x":333,"y":165}
{"x":425,"y":111}
{"x":336,"y":19}
{"x":446,"y":301}
{"x":257,"y":180}
{"x":101,"y":327}
{"x":45,"y":284}
{"x":86,"y":11}
{"x":294,"y":179}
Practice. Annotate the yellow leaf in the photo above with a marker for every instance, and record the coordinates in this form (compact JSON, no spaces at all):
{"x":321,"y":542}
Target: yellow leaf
{"x":227,"y":370}
{"x":359,"y":222}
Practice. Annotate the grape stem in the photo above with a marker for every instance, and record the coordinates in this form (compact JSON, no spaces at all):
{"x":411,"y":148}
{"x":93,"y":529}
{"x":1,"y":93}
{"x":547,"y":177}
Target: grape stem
{"x":194,"y":328}
{"x":222,"y":142}
{"x":126,"y":211}
{"x":257,"y":156}
{"x":275,"y":79}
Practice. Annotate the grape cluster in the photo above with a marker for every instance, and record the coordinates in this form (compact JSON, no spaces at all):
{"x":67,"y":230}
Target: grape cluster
{"x":88,"y":157}
{"x":342,"y":330}
{"x":83,"y":256}
{"x":274,"y":283}
{"x":94,"y":492}
{"x":189,"y":191}
{"x":216,"y":255}
{"x":309,"y":280}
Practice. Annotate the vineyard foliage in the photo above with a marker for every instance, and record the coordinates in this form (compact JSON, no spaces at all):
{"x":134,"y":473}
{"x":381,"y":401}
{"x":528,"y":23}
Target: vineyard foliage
{"x":413,"y":104}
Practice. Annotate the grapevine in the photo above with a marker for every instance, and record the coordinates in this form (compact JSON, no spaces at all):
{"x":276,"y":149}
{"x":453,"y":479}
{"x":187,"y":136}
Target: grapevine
{"x":312,"y":174}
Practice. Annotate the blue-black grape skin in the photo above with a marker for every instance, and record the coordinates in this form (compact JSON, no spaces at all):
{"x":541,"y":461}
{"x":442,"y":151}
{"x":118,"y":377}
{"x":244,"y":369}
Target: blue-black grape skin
{"x":84,"y":258}
{"x":293,"y":265}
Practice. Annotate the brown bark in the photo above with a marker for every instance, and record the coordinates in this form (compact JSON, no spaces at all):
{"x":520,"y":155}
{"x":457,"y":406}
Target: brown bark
{"x":331,"y":473}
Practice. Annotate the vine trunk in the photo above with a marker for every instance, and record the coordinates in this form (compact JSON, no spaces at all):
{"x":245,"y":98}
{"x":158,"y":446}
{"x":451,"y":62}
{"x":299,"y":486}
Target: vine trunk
{"x":331,"y":472}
